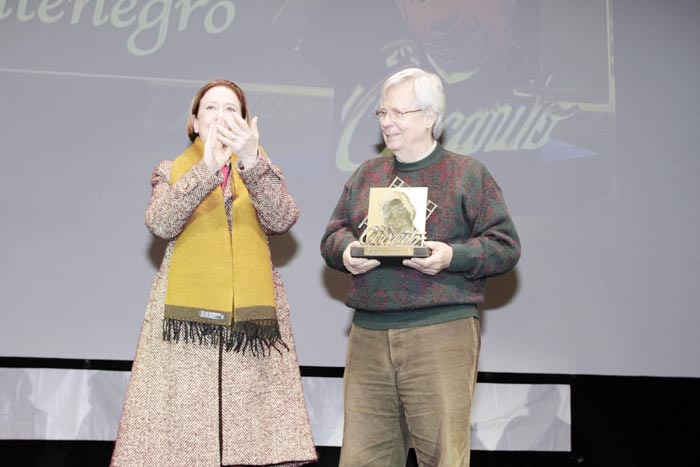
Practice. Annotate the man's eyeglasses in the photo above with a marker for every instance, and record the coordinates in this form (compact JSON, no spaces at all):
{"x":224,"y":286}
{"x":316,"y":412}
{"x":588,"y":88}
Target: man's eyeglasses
{"x":393,"y":113}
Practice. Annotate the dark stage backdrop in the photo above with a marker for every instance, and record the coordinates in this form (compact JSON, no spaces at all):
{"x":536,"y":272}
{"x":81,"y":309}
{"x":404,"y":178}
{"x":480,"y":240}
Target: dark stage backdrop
{"x":600,"y":171}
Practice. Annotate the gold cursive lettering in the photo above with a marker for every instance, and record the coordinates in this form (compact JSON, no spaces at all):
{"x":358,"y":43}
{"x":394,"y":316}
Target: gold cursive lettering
{"x":381,"y":235}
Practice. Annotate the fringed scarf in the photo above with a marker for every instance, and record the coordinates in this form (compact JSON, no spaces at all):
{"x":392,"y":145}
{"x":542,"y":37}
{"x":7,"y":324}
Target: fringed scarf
{"x":220,"y":286}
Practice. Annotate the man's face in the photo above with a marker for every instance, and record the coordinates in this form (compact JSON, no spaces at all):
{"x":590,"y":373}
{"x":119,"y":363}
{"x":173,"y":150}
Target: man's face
{"x":410,"y":133}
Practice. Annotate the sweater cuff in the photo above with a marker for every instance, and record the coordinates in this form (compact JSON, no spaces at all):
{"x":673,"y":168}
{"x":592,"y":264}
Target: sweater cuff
{"x":463,"y":258}
{"x":344,"y":246}
{"x":335,"y":258}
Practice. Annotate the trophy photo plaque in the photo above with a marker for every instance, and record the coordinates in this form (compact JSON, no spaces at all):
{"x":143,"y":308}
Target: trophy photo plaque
{"x":395,"y":224}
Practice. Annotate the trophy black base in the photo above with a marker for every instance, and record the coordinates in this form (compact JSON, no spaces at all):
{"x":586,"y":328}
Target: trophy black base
{"x":389,"y":251}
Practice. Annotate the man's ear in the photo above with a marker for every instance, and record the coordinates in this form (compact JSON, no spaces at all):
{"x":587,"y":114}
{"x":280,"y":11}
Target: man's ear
{"x":430,"y":119}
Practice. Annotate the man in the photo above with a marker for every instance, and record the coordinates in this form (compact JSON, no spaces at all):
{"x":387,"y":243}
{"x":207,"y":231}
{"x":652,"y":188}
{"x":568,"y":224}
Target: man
{"x":414,"y":342}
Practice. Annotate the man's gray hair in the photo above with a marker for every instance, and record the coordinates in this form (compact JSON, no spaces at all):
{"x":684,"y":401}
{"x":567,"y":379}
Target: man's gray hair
{"x":430,"y":95}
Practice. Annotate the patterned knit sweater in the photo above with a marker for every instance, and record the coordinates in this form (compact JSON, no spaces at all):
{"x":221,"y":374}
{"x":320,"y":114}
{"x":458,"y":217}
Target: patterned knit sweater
{"x":471,"y":217}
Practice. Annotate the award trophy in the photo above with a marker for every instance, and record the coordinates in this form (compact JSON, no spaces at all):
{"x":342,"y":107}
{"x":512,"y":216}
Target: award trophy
{"x":395,"y":224}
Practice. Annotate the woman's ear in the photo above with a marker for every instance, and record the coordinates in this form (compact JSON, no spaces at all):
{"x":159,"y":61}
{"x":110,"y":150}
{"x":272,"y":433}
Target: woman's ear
{"x":194,"y":123}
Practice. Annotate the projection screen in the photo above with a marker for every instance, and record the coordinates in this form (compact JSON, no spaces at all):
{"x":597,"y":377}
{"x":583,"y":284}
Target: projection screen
{"x":95,"y":94}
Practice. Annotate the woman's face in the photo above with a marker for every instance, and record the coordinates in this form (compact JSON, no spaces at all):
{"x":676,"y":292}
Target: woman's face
{"x":215,"y":103}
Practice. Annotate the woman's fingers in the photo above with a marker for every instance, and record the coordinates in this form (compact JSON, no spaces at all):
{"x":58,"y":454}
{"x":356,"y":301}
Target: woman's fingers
{"x":241,"y":137}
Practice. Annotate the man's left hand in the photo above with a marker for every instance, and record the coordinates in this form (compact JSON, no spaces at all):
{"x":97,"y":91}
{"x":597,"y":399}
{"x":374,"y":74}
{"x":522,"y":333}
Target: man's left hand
{"x":440,"y":257}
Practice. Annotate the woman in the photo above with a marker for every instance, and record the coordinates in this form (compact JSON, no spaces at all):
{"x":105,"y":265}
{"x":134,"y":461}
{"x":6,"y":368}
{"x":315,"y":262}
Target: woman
{"x":213,"y":383}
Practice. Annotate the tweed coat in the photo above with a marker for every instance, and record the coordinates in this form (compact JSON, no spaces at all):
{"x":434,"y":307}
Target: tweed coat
{"x":197,"y":406}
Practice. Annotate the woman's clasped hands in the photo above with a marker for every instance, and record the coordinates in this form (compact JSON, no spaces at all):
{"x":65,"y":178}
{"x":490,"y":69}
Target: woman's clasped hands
{"x":232,"y":135}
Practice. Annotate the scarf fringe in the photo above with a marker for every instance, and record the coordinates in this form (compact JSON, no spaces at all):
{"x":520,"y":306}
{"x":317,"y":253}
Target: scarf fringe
{"x":258,"y":337}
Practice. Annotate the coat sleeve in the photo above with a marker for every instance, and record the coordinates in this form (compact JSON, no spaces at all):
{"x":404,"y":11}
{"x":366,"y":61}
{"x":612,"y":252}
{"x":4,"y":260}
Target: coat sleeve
{"x":276,"y":209}
{"x":171,"y":206}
